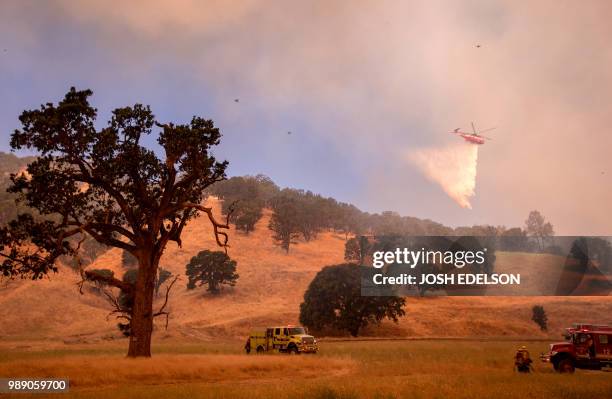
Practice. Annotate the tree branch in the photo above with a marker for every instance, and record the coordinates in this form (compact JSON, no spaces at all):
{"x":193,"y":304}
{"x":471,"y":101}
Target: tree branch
{"x":118,"y":310}
{"x":216,"y":225}
{"x":89,"y":275}
{"x":162,"y":310}
{"x":89,"y":178}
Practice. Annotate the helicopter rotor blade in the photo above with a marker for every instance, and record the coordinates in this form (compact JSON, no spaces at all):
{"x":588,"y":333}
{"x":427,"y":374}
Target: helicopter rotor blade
{"x":487,"y":130}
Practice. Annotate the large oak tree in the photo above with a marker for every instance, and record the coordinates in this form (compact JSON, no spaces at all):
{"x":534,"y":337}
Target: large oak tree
{"x":106,"y":184}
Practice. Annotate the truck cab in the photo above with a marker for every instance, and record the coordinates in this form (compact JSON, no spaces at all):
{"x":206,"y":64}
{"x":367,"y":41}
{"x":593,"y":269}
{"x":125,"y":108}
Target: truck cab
{"x":587,"y":346}
{"x":284,"y":339}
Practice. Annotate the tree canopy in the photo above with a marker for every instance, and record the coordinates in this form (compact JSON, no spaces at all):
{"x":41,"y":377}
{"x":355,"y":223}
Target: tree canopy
{"x":245,"y":197}
{"x":333,"y":299}
{"x":211,"y":268}
{"x":537,"y":226}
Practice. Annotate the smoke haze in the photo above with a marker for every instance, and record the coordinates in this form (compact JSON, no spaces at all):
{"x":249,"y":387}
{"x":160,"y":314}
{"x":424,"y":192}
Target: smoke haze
{"x":357,"y":85}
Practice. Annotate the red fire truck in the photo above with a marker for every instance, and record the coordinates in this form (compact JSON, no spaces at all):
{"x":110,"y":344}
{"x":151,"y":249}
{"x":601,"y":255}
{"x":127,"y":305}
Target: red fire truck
{"x":587,"y":346}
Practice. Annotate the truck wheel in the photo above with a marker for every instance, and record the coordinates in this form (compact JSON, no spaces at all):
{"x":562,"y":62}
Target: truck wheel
{"x":293,"y":350}
{"x":260,"y":350}
{"x":566,"y":366}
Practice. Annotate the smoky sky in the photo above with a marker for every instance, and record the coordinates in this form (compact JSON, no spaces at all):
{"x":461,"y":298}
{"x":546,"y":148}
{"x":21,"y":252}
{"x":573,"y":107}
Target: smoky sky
{"x":358,"y":84}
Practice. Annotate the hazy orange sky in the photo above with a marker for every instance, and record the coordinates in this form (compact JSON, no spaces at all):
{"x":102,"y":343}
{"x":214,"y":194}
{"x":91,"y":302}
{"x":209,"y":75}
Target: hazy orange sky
{"x":358,"y":84}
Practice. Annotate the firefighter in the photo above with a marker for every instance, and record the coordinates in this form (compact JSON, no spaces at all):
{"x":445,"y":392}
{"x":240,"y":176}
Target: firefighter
{"x":522,"y":361}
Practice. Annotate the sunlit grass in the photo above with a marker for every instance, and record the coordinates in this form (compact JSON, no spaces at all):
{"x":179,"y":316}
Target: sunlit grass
{"x":379,"y":369}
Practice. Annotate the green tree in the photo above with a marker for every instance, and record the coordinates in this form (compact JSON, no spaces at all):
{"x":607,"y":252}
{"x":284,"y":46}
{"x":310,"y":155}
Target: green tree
{"x":536,"y":226}
{"x":245,"y":197}
{"x":601,"y":252}
{"x":105,"y":183}
{"x":211,"y":268}
{"x":356,"y":249}
{"x":333,"y":299}
{"x":346,"y":219}
{"x":539,"y":317}
{"x":247,"y":213}
{"x":514,"y":239}
{"x":311,"y":217}
{"x":284,"y":222}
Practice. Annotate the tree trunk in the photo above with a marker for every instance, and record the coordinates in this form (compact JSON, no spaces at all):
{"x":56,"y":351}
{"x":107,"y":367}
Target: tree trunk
{"x":212,"y":285}
{"x":142,"y":311}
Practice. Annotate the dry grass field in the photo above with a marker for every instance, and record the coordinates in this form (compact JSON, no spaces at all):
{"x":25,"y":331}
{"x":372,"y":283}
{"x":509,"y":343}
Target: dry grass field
{"x":348,"y":369}
{"x":269,"y":291}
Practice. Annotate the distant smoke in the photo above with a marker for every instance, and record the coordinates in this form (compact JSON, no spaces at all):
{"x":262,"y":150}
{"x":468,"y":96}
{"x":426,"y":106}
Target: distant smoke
{"x":452,"y":167}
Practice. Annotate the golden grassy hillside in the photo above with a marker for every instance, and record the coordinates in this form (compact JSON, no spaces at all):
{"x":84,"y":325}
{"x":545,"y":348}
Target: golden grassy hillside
{"x":269,"y":291}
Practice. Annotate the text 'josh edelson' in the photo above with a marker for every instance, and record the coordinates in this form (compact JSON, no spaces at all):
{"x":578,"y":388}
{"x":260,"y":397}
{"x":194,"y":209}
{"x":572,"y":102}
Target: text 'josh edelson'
{"x":437,"y":268}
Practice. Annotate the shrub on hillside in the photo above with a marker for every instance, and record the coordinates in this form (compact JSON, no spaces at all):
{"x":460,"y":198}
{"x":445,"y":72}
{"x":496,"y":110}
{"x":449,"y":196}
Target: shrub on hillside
{"x":539,"y":317}
{"x":356,"y":249}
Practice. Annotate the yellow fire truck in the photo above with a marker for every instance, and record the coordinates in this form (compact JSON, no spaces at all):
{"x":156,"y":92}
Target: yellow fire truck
{"x":285,"y":339}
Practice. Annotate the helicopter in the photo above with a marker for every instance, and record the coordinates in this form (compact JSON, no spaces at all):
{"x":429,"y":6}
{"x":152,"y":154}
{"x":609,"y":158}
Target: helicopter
{"x":475,"y":137}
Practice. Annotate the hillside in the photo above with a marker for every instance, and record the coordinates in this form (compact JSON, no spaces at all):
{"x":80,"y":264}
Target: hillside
{"x":269,"y":291}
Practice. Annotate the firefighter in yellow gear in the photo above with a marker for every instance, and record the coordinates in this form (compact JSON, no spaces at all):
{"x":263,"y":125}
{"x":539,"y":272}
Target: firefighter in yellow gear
{"x":522,"y":361}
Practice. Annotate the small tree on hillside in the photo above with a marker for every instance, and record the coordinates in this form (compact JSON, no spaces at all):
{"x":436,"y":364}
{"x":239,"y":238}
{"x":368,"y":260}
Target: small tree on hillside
{"x":356,"y":249}
{"x":539,"y":317}
{"x":536,"y":226}
{"x":347,"y":219}
{"x":284,"y":221}
{"x":310,"y":218}
{"x":247,"y":214}
{"x":213,"y":269}
{"x":333,"y":299}
{"x":245,"y":197}
{"x":514,"y":239}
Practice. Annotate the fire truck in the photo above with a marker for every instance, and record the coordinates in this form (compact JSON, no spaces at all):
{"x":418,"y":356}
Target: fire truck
{"x":587,"y":346}
{"x":285,"y":339}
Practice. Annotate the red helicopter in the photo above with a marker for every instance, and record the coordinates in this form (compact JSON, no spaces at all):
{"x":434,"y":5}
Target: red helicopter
{"x":475,"y":137}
